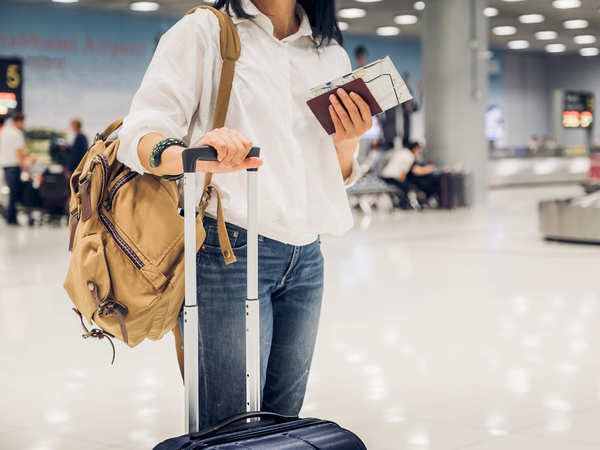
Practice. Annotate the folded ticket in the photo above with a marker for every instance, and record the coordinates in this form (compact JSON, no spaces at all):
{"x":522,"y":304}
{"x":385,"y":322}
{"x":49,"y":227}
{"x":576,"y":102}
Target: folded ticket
{"x":379,"y":84}
{"x":382,"y":79}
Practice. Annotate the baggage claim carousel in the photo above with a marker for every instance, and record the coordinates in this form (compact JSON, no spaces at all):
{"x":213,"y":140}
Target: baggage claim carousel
{"x":571,"y":220}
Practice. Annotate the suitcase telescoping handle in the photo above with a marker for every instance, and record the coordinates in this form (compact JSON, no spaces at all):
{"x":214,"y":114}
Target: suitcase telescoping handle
{"x":190,"y":310}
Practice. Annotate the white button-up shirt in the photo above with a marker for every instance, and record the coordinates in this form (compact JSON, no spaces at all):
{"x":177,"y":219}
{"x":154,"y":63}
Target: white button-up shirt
{"x":11,"y":141}
{"x":302,"y":193}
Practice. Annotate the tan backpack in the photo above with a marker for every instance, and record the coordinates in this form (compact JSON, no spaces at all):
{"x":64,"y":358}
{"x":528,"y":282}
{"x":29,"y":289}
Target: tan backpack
{"x":126,"y":271}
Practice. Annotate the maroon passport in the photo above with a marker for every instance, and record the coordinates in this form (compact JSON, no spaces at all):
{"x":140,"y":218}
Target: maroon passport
{"x":320,"y":105}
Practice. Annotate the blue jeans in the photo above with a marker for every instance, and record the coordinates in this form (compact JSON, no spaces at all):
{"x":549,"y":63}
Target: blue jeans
{"x":12,"y":178}
{"x":290,"y":292}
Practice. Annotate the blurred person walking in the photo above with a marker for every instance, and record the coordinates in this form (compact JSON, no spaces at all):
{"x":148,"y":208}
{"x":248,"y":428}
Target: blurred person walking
{"x":285,"y":44}
{"x":408,"y":109}
{"x":78,"y":147}
{"x":12,"y":158}
{"x":361,"y":56}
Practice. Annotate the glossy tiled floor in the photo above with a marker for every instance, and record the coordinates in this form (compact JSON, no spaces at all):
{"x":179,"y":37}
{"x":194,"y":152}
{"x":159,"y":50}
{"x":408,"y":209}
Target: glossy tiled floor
{"x":440,"y":330}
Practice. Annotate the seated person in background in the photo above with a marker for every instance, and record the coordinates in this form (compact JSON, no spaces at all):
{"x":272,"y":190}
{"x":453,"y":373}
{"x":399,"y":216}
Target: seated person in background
{"x":534,"y":144}
{"x":399,"y":165}
{"x":425,"y":177}
{"x":395,"y":172}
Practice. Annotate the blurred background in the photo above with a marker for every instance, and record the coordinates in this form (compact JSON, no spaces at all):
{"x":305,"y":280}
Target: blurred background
{"x":461,"y":312}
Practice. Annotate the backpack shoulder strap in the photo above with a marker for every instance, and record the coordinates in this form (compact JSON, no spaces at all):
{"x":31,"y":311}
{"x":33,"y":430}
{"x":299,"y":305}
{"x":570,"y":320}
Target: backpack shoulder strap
{"x":110,"y":129}
{"x":230,"y":52}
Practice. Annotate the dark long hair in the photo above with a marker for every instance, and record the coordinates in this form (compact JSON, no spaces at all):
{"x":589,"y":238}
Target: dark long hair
{"x":321,"y":14}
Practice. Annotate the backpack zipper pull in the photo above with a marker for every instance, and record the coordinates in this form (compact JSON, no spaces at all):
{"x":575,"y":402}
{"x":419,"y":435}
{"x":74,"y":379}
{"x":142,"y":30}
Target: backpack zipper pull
{"x":84,"y":192}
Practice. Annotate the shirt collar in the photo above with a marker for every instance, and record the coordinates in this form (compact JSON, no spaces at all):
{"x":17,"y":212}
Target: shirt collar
{"x":265,"y":23}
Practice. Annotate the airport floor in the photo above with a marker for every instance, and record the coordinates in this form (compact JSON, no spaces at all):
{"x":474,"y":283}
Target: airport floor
{"x":440,"y":330}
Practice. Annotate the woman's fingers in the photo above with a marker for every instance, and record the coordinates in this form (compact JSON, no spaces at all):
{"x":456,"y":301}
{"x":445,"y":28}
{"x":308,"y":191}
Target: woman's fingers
{"x":337,"y":123}
{"x":232,"y":149}
{"x":353,"y":113}
{"x":363,"y":107}
{"x":350,"y":106}
{"x":218,"y":143}
{"x":243,"y":146}
{"x":341,"y":112}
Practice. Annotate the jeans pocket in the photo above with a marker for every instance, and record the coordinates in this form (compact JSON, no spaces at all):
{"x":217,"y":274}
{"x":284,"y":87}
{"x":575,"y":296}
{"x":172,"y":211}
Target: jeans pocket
{"x":237,"y":236}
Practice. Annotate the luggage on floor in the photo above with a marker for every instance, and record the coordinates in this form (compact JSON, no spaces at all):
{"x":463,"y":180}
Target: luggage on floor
{"x":452,"y":190}
{"x":30,"y":196}
{"x":283,"y":433}
{"x":253,"y":430}
{"x":54,"y":191}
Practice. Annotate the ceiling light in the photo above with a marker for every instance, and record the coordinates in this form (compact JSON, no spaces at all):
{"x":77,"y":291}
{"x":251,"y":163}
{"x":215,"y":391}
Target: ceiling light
{"x":518,"y":44}
{"x":343,"y":26}
{"x":144,"y":6}
{"x":406,"y":19}
{"x":589,"y":51}
{"x":556,"y":48}
{"x":352,"y":13}
{"x":490,"y":12}
{"x":531,"y":18}
{"x":419,"y":6}
{"x":566,"y":4}
{"x":575,"y":24}
{"x":368,"y":1}
{"x":388,"y":31}
{"x":584,"y":39}
{"x":506,"y":30}
{"x":65,"y":1}
{"x":547,"y":35}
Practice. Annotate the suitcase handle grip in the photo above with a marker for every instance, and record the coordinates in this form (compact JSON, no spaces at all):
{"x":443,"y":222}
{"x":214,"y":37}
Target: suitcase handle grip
{"x":208,"y":153}
{"x":251,"y":415}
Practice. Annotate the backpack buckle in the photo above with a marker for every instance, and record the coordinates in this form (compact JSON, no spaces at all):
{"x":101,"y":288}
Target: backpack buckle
{"x":206,"y":197}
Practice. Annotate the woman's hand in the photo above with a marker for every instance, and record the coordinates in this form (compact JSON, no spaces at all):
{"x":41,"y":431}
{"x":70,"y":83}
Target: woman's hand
{"x":351,"y":116}
{"x":232,"y":149}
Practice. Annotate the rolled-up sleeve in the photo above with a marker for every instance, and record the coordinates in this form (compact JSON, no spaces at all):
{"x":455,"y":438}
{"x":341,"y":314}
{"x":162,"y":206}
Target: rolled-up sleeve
{"x":354,"y":175}
{"x":170,"y":91}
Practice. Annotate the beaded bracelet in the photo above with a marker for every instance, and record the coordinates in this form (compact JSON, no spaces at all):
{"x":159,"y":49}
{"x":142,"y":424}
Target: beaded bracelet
{"x":172,"y":177}
{"x":160,"y":147}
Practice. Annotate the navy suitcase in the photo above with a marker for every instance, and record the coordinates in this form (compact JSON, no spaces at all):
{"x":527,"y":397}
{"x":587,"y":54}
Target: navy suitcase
{"x":452,"y":190}
{"x":283,"y":433}
{"x":254,"y":429}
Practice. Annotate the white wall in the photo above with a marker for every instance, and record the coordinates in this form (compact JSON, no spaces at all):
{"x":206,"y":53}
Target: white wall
{"x":527,"y":101}
{"x":531,"y":79}
{"x":574,"y":72}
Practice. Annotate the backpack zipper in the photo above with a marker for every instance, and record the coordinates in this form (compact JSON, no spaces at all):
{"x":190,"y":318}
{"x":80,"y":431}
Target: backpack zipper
{"x":118,"y":185}
{"x":125,"y":248}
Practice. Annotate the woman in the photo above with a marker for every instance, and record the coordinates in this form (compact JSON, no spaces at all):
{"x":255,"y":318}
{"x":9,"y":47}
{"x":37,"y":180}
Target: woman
{"x":288,"y":47}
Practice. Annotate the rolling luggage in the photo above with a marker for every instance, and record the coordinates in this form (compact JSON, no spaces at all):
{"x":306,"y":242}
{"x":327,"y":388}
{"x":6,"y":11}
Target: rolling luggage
{"x":54,"y":191}
{"x":254,"y":429}
{"x":452,"y":190}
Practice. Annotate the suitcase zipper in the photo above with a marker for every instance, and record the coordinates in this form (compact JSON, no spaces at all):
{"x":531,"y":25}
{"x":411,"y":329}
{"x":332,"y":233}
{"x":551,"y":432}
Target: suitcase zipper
{"x":125,"y":248}
{"x":234,"y":436}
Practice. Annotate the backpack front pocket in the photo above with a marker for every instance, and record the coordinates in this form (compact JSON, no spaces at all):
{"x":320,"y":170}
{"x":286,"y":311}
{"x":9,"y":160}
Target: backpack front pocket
{"x":91,"y":270}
